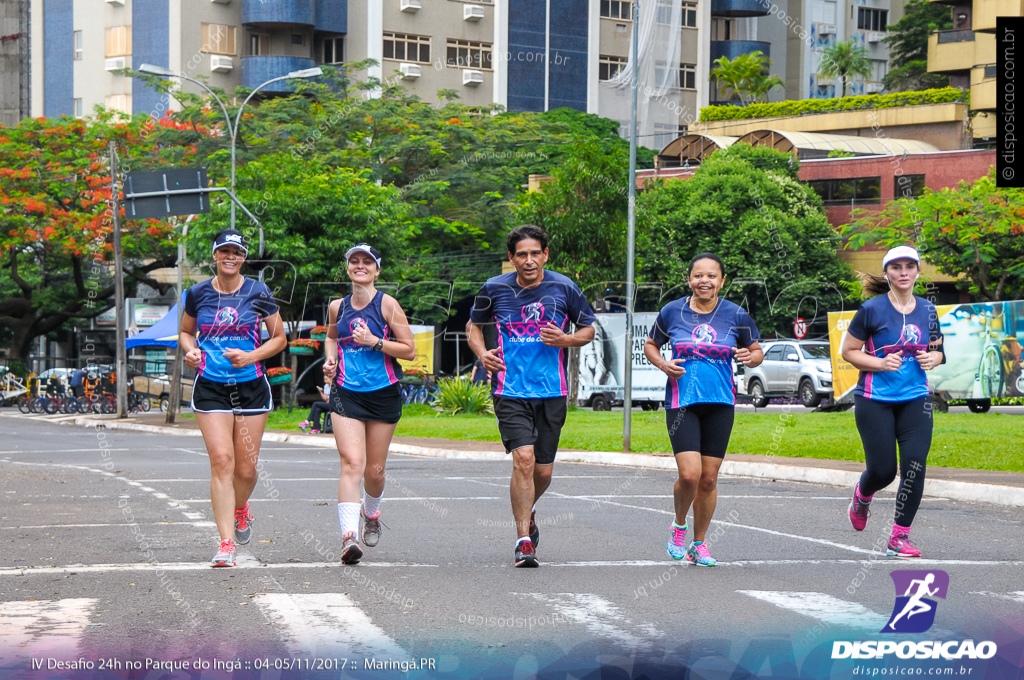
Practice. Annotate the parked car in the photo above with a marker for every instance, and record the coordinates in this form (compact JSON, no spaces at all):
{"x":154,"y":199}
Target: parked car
{"x":800,"y":368}
{"x":159,"y":386}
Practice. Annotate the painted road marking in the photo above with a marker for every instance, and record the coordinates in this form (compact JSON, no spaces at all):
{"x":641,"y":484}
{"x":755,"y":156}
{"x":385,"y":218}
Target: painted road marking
{"x":326,"y":625}
{"x":43,"y":628}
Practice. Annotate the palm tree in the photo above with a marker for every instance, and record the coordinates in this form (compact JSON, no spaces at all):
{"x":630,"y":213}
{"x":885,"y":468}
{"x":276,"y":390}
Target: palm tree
{"x":844,"y":60}
{"x":747,"y":76}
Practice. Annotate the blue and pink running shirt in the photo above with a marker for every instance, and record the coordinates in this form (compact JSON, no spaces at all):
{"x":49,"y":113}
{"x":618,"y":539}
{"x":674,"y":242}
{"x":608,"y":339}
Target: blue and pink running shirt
{"x":706,"y":342}
{"x":880,"y":326}
{"x":229,"y":322}
{"x":360,"y":368}
{"x":533,"y":370}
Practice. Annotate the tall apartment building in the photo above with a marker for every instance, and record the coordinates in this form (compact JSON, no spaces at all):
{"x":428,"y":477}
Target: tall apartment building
{"x":822,"y":23}
{"x":967,"y":53}
{"x":526,"y":55}
{"x":14,"y":86}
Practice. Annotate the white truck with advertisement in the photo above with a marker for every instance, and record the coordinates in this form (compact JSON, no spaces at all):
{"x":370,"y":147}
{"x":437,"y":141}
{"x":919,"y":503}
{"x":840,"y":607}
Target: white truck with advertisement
{"x":602,"y":365}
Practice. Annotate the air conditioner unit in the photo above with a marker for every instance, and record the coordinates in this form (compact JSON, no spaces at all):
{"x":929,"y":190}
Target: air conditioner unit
{"x":876,"y":37}
{"x":114,"y":64}
{"x":116,"y":2}
{"x":827,"y":29}
{"x":873,"y":88}
{"x":220,"y":64}
{"x":411,"y":5}
{"x":472,"y":78}
{"x":410,"y":71}
{"x":472,"y":12}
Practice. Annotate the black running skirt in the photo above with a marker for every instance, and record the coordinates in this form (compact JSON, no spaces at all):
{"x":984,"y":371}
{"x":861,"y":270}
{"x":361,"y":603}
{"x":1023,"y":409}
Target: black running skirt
{"x":248,"y":398}
{"x":384,"y":405}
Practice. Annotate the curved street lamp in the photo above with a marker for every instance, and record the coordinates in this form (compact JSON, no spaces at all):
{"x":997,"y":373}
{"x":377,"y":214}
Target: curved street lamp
{"x":153,"y":70}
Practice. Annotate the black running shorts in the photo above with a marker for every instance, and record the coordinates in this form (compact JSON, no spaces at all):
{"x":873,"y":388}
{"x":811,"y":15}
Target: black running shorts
{"x":248,"y":398}
{"x":384,"y":405}
{"x":531,"y":422}
{"x":701,"y":427}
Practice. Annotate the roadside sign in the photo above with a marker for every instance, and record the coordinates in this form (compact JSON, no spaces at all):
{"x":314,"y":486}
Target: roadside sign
{"x":800,"y":329}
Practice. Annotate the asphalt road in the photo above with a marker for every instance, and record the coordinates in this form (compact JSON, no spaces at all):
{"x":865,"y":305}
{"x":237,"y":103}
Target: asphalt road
{"x":81,"y":507}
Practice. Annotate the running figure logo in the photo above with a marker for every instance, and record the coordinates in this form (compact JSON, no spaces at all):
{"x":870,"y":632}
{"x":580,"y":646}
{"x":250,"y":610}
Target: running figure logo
{"x":911,"y":335}
{"x":355,"y":323}
{"x":704,"y":333}
{"x":913,"y":611}
{"x":533,"y":312}
{"x":226,"y":316}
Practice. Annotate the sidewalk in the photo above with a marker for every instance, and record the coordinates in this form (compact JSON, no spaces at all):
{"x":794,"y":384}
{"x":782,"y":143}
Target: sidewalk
{"x":980,"y":486}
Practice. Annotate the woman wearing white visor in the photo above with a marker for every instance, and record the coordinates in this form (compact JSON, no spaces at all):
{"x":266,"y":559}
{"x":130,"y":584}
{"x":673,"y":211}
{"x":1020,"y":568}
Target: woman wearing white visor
{"x":893,"y":339}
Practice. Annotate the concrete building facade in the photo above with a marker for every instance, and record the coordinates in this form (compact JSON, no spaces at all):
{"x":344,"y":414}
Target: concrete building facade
{"x":14,"y":62}
{"x":527,"y":55}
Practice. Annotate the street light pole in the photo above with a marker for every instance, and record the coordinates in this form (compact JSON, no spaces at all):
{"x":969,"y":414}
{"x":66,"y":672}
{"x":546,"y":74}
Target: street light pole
{"x":122,"y":352}
{"x":627,"y":422}
{"x":314,"y":72}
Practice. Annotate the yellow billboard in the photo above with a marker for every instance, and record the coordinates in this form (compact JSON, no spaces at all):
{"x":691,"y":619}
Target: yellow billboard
{"x":844,"y":374}
{"x":423,"y":337}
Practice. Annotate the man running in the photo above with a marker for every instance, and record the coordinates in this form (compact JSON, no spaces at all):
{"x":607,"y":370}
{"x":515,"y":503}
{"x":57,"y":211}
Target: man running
{"x":531,"y":309}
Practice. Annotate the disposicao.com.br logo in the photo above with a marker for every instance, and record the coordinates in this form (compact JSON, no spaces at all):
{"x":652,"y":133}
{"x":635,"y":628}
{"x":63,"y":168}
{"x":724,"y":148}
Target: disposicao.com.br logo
{"x":914,"y":612}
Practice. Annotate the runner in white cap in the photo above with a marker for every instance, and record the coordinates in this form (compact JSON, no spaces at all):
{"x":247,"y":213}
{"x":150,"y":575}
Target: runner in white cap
{"x":893,"y":339}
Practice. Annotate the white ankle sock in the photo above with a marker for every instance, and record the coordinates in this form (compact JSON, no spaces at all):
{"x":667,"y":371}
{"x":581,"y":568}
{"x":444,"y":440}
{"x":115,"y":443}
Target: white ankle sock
{"x":348,"y":517}
{"x":371,"y":505}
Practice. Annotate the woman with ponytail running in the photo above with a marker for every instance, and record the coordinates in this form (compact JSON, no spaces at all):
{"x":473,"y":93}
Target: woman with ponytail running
{"x":367,"y":333}
{"x":893,"y":339}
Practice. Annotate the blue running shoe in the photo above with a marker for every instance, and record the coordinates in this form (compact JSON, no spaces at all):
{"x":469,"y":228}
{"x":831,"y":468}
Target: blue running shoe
{"x":676,"y":545}
{"x":699,"y":555}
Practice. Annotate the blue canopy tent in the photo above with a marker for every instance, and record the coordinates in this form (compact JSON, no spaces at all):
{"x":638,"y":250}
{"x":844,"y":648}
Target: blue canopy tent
{"x":164,"y":333}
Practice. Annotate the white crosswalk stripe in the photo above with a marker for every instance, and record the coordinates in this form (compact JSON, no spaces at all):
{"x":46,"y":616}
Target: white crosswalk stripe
{"x":822,"y":607}
{"x":1015,"y":596}
{"x":326,"y":624}
{"x":43,"y":628}
{"x":600,"y":617}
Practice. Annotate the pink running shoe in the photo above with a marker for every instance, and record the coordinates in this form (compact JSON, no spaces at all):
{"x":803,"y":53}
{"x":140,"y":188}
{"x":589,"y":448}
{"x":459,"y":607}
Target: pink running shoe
{"x":859,"y":510}
{"x":900,"y":546}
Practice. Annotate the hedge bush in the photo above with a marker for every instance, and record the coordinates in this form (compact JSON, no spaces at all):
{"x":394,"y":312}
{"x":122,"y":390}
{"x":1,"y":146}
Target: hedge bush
{"x":802,"y":107}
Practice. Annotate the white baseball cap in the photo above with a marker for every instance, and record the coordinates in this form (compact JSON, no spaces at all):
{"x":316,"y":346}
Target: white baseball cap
{"x":364,"y":248}
{"x":899,"y":253}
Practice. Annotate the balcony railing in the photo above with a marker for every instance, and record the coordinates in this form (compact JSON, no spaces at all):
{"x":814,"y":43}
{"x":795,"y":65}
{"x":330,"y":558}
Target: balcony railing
{"x":956,"y":36}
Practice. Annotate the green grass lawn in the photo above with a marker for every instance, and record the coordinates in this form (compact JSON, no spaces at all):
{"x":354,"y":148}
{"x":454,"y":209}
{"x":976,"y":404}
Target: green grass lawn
{"x":990,"y":441}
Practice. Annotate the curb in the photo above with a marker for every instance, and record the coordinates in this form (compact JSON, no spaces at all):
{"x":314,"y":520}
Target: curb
{"x":940,"y":488}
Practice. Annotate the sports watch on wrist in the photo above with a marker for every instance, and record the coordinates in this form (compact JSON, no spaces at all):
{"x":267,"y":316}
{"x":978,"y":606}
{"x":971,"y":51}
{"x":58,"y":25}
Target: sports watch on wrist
{"x":379,"y":346}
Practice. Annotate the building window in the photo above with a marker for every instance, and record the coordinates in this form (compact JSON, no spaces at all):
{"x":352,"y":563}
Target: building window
{"x":298,"y":39}
{"x":610,"y":66}
{"x":872,"y":19}
{"x":824,"y":12}
{"x":617,"y":9}
{"x":79,"y":109}
{"x":258,"y":44}
{"x":723,"y":29}
{"x":405,"y":47}
{"x":78,"y":45}
{"x":689,"y":15}
{"x":218,"y":39}
{"x":879,"y":69}
{"x":908,"y":186}
{"x":119,"y":102}
{"x":686,"y":78}
{"x":334,"y":51}
{"x":851,"y":192}
{"x":469,"y":54}
{"x":119,"y":41}
{"x":665,"y":134}
{"x":687,"y":18}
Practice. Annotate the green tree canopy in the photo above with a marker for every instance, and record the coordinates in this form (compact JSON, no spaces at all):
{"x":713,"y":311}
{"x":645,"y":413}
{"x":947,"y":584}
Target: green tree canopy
{"x":747,"y":205}
{"x":974,"y":231}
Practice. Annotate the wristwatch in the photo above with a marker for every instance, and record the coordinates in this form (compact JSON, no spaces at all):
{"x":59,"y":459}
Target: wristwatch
{"x":379,"y":346}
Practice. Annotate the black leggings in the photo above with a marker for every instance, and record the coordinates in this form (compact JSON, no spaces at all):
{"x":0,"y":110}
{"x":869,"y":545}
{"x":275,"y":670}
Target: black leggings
{"x":882,"y":424}
{"x":317,"y":410}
